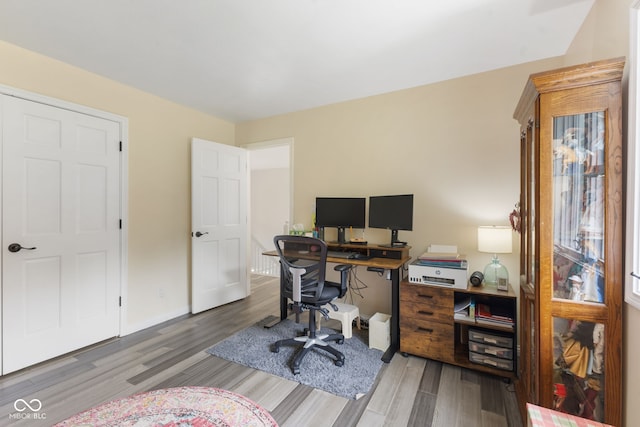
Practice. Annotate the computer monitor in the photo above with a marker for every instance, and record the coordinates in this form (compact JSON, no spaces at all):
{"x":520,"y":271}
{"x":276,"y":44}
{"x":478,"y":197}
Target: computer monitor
{"x":340,"y":212}
{"x":392,"y":213}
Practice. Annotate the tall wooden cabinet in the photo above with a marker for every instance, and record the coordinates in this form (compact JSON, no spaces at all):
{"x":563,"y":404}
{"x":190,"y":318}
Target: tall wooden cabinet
{"x":571,"y":284}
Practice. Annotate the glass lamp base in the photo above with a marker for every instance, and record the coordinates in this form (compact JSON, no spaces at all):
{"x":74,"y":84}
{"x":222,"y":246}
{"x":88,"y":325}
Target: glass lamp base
{"x":496,"y":274}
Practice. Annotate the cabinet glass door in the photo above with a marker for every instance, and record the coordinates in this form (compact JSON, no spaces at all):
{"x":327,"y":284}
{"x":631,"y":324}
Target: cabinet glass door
{"x":578,"y":378}
{"x":578,"y":207}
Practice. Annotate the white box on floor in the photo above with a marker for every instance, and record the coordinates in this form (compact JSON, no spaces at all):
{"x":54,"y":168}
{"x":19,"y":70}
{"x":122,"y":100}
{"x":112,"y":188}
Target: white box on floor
{"x":380,"y":331}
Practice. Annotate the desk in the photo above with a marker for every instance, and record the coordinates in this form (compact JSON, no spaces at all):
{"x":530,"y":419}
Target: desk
{"x":398,"y":257}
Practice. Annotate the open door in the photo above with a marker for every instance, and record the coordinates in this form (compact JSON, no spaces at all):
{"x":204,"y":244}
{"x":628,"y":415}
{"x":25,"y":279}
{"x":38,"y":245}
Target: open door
{"x":219,"y":225}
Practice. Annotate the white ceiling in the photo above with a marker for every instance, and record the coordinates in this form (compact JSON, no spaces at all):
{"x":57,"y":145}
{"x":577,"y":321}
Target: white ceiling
{"x":248,"y":59}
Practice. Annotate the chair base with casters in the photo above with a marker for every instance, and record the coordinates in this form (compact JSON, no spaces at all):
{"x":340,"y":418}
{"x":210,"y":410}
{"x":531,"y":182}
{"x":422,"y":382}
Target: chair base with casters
{"x":311,"y":340}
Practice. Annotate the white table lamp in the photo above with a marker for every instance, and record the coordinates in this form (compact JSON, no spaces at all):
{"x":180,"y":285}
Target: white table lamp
{"x":496,"y":240}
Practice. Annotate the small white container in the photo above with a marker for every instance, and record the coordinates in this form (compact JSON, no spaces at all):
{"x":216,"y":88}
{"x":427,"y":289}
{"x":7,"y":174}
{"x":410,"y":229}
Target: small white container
{"x":380,"y":331}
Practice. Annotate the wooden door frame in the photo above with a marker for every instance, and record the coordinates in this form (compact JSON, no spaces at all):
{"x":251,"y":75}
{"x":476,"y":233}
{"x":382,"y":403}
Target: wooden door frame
{"x":124,"y":181}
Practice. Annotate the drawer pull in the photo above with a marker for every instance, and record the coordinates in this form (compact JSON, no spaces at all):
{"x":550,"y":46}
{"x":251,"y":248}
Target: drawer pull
{"x":425,"y":329}
{"x":425,"y":296}
{"x":428,"y":313}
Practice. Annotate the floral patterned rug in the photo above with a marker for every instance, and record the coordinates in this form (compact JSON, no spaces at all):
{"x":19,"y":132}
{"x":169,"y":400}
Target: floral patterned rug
{"x":181,"y":406}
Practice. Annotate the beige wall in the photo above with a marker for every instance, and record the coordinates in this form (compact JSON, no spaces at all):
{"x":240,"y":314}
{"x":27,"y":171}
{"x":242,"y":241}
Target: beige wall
{"x":454,"y":145}
{"x":604,"y":34}
{"x":159,"y":174}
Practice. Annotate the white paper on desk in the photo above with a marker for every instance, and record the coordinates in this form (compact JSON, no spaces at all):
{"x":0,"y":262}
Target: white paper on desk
{"x":449,"y":249}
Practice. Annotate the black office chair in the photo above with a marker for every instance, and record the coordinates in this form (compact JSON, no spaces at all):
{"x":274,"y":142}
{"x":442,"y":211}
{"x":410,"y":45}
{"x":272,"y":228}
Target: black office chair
{"x":303,"y":263}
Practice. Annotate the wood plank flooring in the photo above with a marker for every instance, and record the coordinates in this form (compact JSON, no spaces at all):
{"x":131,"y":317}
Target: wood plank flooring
{"x":409,"y":391}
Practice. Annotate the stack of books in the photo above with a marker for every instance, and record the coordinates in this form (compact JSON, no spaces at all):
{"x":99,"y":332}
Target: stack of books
{"x":442,"y":259}
{"x":480,"y":313}
{"x":485,"y":315}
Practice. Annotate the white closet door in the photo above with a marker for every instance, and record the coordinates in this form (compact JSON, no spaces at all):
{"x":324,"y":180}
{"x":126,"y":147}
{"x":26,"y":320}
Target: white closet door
{"x":61,"y":204}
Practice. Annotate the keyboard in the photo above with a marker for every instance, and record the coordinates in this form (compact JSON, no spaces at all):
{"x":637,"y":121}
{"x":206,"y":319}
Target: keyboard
{"x":340,"y":254}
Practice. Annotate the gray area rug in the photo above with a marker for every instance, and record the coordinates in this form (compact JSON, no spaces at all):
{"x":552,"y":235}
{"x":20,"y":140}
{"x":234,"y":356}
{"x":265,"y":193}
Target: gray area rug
{"x":252,"y":347}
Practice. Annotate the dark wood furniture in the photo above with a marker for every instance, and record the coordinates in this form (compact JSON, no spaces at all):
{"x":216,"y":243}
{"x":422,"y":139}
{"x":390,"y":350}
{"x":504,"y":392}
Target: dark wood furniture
{"x":571,"y":245}
{"x":429,"y":329}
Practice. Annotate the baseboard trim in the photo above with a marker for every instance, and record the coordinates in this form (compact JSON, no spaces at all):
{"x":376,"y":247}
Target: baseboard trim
{"x":129,"y":329}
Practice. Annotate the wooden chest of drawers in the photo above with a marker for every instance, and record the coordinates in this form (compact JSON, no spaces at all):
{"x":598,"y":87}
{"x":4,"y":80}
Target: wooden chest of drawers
{"x":426,"y":321}
{"x":429,"y":327}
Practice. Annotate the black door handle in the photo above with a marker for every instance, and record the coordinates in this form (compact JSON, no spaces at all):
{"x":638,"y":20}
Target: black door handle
{"x":198,"y":234}
{"x":15,"y":247}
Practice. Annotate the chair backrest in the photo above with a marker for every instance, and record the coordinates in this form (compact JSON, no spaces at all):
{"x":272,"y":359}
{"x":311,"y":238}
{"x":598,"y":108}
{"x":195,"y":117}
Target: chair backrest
{"x":305,"y":257}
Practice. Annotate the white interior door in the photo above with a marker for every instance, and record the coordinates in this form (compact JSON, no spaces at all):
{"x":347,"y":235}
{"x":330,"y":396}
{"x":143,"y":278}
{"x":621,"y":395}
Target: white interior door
{"x":219,"y":224}
{"x":61,"y":204}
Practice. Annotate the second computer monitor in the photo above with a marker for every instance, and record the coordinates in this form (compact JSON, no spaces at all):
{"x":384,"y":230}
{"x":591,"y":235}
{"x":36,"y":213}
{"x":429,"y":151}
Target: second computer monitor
{"x":393,"y":213}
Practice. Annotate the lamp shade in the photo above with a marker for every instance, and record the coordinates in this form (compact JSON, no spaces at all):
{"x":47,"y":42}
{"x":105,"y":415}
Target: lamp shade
{"x":495,"y":239}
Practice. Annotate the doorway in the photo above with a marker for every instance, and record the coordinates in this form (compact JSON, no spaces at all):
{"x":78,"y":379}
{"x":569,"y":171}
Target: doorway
{"x":271,"y":198}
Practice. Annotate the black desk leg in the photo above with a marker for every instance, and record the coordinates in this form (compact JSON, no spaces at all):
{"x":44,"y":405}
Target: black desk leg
{"x":395,"y":316}
{"x":273,"y":320}
{"x":283,"y":300}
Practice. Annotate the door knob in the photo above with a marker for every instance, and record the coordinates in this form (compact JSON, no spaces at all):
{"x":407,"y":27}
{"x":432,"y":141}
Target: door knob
{"x":15,"y":247}
{"x":198,"y":234}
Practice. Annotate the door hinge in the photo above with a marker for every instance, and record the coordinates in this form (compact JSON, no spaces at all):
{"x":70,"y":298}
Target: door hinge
{"x":120,"y":224}
{"x":119,"y":301}
{"x":120,"y":145}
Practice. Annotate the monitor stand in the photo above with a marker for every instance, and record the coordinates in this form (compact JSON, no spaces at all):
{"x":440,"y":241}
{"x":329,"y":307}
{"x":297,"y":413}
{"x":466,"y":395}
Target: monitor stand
{"x":341,"y":233}
{"x":395,"y":243}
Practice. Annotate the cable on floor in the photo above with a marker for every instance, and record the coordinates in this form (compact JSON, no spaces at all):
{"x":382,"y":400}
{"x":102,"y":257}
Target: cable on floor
{"x":355,"y":286}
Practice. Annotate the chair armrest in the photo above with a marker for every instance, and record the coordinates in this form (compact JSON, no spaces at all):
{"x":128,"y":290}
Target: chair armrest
{"x":344,"y":277}
{"x":297,"y":274}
